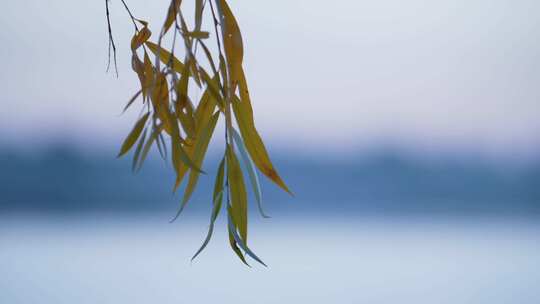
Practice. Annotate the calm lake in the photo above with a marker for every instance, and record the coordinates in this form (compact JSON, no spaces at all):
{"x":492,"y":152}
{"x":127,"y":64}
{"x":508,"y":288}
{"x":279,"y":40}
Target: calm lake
{"x":395,"y":259}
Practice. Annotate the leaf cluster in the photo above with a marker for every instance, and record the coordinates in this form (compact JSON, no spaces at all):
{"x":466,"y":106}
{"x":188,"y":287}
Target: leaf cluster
{"x":171,"y":113}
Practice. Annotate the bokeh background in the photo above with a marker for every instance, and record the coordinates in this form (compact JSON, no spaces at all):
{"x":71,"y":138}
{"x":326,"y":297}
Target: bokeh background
{"x":408,"y":130}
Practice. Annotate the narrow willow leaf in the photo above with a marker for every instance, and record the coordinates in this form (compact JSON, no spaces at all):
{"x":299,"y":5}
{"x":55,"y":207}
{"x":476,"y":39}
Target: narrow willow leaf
{"x":203,"y":114}
{"x":165,"y":56}
{"x":140,"y":38}
{"x":148,"y":75}
{"x":130,"y":102}
{"x":242,"y":244}
{"x":217,"y":200}
{"x":232,"y":42}
{"x":133,"y":135}
{"x":248,"y":163}
{"x":254,"y":144}
{"x":138,"y":67}
{"x":174,"y":9}
{"x":209,"y":57}
{"x":147,"y":146}
{"x":204,"y":110}
{"x":181,"y":171}
{"x":238,"y":193}
{"x":180,"y":156}
{"x":212,"y":82}
{"x":160,"y":101}
{"x":214,"y":87}
{"x":199,"y":7}
{"x":182,"y":86}
{"x":201,"y":146}
{"x":232,"y":240}
{"x":188,"y":123}
{"x":162,"y":146}
{"x":177,"y":65}
{"x":138,"y":151}
{"x":198,"y":34}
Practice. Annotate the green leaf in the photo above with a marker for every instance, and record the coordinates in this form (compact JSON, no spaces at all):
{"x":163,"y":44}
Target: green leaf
{"x":253,"y":176}
{"x":133,"y":135}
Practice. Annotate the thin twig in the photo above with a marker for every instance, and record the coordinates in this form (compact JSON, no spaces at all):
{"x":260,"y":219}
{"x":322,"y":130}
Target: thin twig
{"x":112,"y":46}
{"x":133,"y":19}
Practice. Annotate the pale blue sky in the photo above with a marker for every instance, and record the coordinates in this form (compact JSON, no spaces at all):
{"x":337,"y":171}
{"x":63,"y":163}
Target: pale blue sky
{"x":430,"y":75}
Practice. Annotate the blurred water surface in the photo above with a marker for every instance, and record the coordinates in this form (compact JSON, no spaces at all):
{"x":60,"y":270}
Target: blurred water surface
{"x":96,"y":258}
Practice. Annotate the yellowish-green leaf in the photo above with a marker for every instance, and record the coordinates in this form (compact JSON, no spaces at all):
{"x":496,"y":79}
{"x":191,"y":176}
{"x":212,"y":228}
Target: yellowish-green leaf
{"x":203,"y":139}
{"x":199,"y":6}
{"x":248,"y":164}
{"x":153,"y":138}
{"x":198,"y":34}
{"x":209,"y":57}
{"x":238,"y":193}
{"x":148,"y":75}
{"x":204,"y":110}
{"x":232,"y":240}
{"x":232,"y":42}
{"x":174,"y":8}
{"x":165,"y":56}
{"x":130,"y":102}
{"x":137,"y":153}
{"x":133,"y":135}
{"x":160,"y":101}
{"x":138,"y":66}
{"x":254,"y":144}
{"x":240,"y":242}
{"x":216,"y":205}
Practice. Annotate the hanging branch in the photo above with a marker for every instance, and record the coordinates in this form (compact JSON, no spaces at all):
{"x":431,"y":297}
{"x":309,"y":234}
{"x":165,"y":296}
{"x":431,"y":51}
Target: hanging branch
{"x":169,"y":112}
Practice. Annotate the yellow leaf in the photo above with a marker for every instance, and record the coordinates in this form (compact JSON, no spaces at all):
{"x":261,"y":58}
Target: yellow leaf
{"x":232,"y":42}
{"x":188,"y":123}
{"x":174,"y":8}
{"x":165,"y":56}
{"x":254,"y":144}
{"x":160,"y":100}
{"x":198,"y":34}
{"x":133,"y":135}
{"x":148,"y":75}
{"x":138,"y":66}
{"x":204,"y":110}
{"x":140,"y":37}
{"x":199,"y":7}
